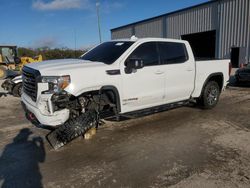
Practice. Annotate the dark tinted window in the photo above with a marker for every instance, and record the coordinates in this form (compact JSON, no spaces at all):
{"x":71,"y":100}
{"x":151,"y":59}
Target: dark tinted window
{"x":171,"y":52}
{"x":107,"y":52}
{"x":147,"y":52}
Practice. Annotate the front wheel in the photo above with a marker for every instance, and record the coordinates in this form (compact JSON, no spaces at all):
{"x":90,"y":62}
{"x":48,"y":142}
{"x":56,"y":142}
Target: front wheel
{"x":17,"y":90}
{"x":210,"y":95}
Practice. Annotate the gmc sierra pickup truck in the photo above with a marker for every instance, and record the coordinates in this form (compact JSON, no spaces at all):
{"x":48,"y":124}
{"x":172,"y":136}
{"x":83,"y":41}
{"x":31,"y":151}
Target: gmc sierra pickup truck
{"x":119,"y":76}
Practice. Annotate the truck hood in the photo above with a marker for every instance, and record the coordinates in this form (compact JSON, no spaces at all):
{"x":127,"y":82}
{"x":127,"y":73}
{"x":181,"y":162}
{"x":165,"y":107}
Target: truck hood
{"x":63,"y":66}
{"x":84,"y":75}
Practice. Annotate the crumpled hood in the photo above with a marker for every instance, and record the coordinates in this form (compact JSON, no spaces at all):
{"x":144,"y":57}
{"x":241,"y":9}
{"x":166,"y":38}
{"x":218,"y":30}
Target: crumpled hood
{"x":62,"y":66}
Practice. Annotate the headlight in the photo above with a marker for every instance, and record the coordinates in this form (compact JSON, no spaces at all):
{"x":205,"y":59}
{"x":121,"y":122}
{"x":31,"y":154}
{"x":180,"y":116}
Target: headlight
{"x":56,"y":83}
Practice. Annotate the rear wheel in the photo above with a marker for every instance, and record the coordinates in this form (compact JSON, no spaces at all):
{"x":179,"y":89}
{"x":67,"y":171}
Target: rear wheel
{"x":3,"y":72}
{"x":17,"y":90}
{"x":210,"y":95}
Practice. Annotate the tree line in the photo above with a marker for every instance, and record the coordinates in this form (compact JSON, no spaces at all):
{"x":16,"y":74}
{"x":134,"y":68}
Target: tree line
{"x":48,"y":54}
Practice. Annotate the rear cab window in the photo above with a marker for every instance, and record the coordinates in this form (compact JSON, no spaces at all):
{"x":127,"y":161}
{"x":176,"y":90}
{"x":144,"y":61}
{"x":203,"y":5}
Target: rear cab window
{"x":172,"y":52}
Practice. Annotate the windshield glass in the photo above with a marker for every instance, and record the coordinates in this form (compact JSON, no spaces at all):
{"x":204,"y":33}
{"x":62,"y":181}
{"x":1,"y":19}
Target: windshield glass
{"x":107,"y":52}
{"x":8,"y":54}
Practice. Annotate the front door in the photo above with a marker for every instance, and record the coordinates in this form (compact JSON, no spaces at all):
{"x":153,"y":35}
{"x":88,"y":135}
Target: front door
{"x":143,"y":87}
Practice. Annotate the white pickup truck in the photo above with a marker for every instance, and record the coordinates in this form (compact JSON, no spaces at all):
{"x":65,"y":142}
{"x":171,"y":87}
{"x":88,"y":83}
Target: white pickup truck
{"x":120,"y":76}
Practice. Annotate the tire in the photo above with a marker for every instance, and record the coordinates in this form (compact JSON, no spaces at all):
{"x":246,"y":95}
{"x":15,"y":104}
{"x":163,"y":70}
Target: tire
{"x":3,"y":72}
{"x":17,"y":90}
{"x":210,"y":95}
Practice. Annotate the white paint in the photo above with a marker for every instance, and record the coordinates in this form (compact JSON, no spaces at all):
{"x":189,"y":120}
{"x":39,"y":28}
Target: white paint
{"x":146,"y":87}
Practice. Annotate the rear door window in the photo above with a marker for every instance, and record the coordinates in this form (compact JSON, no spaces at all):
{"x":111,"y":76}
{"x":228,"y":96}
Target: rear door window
{"x":172,"y":52}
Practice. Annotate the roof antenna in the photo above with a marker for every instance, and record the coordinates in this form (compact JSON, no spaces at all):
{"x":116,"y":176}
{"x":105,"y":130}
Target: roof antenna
{"x":133,"y":38}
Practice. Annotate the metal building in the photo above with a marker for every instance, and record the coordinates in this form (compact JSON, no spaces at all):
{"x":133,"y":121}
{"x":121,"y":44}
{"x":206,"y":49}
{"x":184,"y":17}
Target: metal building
{"x":215,"y":29}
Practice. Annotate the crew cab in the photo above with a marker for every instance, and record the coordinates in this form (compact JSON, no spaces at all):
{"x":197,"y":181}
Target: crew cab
{"x":121,"y":76}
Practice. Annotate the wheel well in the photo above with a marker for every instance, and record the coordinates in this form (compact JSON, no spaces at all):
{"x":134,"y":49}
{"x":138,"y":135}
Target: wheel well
{"x":113,"y":95}
{"x":108,"y":94}
{"x":218,"y":77}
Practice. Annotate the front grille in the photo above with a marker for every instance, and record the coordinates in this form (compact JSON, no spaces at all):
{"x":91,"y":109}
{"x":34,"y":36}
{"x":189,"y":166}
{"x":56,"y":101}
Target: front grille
{"x":30,"y":76}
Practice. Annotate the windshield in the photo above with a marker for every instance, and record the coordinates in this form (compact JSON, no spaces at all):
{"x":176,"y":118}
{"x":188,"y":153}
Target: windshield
{"x":107,"y":52}
{"x":8,"y":54}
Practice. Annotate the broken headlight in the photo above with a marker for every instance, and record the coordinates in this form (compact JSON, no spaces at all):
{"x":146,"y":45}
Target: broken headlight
{"x":56,"y":83}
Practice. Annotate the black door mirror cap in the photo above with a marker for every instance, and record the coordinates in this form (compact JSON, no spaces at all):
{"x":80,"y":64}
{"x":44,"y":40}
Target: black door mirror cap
{"x":134,"y":63}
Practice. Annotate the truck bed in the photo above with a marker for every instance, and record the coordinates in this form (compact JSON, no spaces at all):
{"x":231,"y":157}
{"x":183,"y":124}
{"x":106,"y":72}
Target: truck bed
{"x":205,"y":68}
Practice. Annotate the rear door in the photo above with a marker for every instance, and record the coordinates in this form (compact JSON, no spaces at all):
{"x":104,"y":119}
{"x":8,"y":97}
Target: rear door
{"x":144,"y":87}
{"x":179,"y":71}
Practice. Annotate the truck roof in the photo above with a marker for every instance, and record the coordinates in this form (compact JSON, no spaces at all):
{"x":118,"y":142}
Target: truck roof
{"x":147,"y":39}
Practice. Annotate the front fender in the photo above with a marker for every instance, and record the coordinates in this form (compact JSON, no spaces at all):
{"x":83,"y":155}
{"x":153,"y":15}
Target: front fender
{"x":73,"y":91}
{"x":17,"y":79}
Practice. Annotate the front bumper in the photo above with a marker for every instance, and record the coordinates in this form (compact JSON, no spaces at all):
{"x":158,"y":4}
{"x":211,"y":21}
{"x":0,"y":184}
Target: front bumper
{"x":43,"y":117}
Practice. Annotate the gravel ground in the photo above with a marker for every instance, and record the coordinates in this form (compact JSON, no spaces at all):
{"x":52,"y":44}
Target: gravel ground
{"x":183,"y":147}
{"x":12,"y":116}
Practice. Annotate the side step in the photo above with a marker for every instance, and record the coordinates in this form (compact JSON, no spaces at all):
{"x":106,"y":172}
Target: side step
{"x":72,"y":129}
{"x":153,"y":110}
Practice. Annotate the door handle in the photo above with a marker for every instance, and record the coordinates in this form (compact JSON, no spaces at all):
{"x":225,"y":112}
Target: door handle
{"x":190,"y":69}
{"x":159,"y":72}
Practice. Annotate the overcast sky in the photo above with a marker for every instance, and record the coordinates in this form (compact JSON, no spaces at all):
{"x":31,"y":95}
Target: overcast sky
{"x":55,"y":23}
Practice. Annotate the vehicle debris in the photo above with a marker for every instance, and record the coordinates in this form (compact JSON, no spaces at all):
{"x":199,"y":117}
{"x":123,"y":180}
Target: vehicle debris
{"x":72,"y":129}
{"x":90,"y":133}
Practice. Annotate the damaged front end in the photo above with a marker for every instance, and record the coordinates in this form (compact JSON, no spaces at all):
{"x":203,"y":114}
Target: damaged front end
{"x":72,"y":129}
{"x":70,"y":116}
{"x":82,"y":118}
{"x":79,"y":118}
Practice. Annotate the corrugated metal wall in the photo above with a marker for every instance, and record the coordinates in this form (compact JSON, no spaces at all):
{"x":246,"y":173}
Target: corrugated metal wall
{"x":234,"y":26}
{"x":146,"y":29}
{"x":230,"y":19}
{"x":122,"y":33}
{"x":199,"y":19}
{"x":150,"y":28}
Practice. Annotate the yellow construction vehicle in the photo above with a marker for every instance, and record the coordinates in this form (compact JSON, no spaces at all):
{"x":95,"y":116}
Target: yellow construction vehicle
{"x":25,"y":60}
{"x":10,"y":63}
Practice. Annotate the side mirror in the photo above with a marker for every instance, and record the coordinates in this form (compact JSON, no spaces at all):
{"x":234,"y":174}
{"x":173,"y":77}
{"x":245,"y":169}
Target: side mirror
{"x":133,"y":64}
